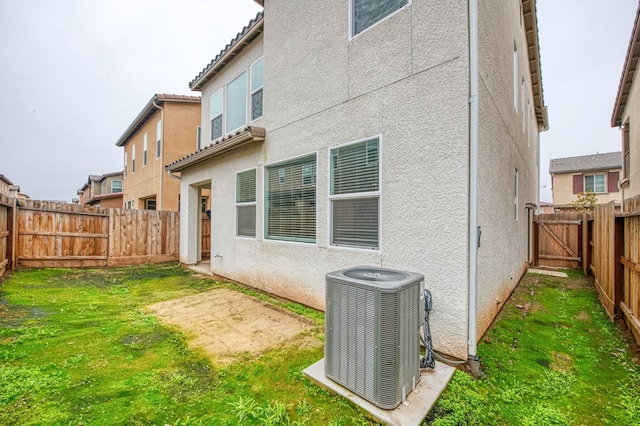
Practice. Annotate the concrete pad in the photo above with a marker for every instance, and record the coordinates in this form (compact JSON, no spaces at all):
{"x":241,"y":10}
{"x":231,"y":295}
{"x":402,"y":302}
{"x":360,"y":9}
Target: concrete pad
{"x":202,"y":268}
{"x":411,"y":413}
{"x":547,"y":272}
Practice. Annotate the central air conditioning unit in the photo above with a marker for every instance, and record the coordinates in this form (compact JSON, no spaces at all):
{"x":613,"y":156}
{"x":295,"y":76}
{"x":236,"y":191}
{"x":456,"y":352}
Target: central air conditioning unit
{"x":372,"y":332}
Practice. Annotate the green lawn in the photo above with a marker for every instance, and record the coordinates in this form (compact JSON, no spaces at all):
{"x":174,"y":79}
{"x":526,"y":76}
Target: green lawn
{"x":77,"y":347}
{"x":551,"y":358}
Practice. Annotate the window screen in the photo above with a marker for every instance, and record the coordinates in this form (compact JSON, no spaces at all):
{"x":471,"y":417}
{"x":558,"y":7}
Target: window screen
{"x":237,"y":103}
{"x":246,"y":203}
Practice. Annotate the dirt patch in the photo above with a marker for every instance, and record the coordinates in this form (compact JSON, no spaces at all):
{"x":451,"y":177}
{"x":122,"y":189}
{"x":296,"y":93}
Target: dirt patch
{"x":226,"y":324}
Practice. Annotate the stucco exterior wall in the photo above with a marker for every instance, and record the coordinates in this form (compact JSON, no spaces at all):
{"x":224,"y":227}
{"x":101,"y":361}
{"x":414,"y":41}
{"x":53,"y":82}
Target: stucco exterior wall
{"x":406,"y":81}
{"x":505,"y":145}
{"x":632,"y":117}
{"x":563,"y":195}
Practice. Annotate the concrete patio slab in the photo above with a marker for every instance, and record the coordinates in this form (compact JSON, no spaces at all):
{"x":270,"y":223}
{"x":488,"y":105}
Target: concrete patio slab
{"x":410,"y":413}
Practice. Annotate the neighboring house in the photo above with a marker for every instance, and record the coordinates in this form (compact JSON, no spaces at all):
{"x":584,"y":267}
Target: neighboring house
{"x":597,"y":173}
{"x":546,"y":208}
{"x":626,"y":116}
{"x":5,"y":183}
{"x":165,"y":130}
{"x":103,"y":191}
{"x":347,"y":133}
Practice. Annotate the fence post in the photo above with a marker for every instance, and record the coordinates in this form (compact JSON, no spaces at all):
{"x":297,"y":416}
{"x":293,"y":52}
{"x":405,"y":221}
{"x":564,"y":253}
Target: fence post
{"x":12,"y":227}
{"x":585,"y":255}
{"x":535,"y":229}
{"x":618,"y":291}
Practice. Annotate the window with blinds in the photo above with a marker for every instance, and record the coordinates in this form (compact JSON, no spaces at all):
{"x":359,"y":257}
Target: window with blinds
{"x":355,"y":195}
{"x":246,"y":203}
{"x":290,"y":194}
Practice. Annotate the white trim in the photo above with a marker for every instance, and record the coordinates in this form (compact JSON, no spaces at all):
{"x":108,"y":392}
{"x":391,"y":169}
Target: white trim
{"x":352,"y":20}
{"x":145,"y":151}
{"x":515,"y":76}
{"x":221,"y":114}
{"x":370,"y":194}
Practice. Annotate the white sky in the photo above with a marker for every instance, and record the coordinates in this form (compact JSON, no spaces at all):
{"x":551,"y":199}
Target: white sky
{"x":75,"y":73}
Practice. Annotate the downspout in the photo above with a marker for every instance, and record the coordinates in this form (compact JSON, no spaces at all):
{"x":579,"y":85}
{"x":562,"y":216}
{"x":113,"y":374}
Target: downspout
{"x":474,"y":229}
{"x":161,"y":194}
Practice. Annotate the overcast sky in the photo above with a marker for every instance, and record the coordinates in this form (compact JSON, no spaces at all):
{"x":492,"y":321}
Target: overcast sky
{"x":75,"y":73}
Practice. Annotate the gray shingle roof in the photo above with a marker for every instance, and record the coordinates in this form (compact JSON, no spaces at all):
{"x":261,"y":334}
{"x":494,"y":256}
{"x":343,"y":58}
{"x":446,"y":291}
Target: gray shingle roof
{"x":607,"y":161}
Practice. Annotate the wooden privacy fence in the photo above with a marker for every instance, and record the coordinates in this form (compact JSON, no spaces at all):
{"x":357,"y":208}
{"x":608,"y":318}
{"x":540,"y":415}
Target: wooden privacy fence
{"x":67,"y":235}
{"x":557,"y":240}
{"x":605,"y":244}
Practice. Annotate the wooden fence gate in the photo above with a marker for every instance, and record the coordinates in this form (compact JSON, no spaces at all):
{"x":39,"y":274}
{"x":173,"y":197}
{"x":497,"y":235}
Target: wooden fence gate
{"x":558,"y":240}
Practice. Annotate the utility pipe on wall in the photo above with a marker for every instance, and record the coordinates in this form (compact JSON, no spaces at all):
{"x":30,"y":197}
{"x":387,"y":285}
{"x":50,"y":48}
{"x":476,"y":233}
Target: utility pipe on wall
{"x":474,"y":362}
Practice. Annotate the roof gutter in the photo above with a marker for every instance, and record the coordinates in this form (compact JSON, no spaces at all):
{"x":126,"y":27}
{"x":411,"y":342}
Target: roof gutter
{"x":474,"y":229}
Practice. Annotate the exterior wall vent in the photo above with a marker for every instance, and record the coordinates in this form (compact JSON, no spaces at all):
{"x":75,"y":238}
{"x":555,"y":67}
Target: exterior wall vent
{"x":372,"y":332}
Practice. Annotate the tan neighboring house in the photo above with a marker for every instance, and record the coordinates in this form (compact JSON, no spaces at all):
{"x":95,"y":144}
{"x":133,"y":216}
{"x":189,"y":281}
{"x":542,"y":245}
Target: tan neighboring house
{"x":5,"y":183}
{"x":393,"y":134}
{"x":626,"y":116}
{"x":103,"y":191}
{"x":597,"y":173}
{"x":166,"y":129}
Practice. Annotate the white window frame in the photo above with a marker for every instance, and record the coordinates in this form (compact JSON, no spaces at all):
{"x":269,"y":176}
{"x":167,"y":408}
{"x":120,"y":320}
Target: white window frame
{"x":199,"y":137}
{"x":159,"y":138}
{"x":515,"y":77}
{"x":147,"y":201}
{"x":121,"y":186}
{"x":253,"y":203}
{"x":522,"y":103}
{"x":212,"y":117}
{"x":371,"y":194}
{"x":352,"y":19}
{"x":593,"y":176}
{"x":125,"y":163}
{"x":254,"y":90}
{"x":144,"y":150}
{"x":227,"y":99}
{"x":516,"y":202}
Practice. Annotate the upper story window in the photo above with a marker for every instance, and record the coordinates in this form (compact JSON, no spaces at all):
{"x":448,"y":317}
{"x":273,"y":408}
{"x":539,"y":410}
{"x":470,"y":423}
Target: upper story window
{"x":515,"y":77}
{"x":133,"y":158}
{"x":158,"y":138}
{"x":116,"y":186}
{"x":199,"y":137}
{"x":626,"y":151}
{"x":595,"y":183}
{"x":215,"y":114}
{"x":144,"y":151}
{"x":366,"y":13}
{"x":256,"y":89}
{"x":236,"y":103}
{"x":125,"y":163}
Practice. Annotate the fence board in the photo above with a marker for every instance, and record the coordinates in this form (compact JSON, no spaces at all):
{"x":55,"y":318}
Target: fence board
{"x":630,"y":259}
{"x":603,"y":263}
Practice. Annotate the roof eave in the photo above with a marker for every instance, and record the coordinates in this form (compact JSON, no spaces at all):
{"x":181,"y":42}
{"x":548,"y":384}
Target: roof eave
{"x":234,"y":50}
{"x":242,"y":137}
{"x":628,"y":71}
{"x":533,"y":47}
{"x":148,"y":111}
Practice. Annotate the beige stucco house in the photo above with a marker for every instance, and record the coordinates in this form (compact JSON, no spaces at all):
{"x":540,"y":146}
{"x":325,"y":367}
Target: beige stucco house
{"x":626,"y":116}
{"x":5,"y":183}
{"x":404,"y":137}
{"x":597,"y":173}
{"x":165,"y":130}
{"x":102,"y":190}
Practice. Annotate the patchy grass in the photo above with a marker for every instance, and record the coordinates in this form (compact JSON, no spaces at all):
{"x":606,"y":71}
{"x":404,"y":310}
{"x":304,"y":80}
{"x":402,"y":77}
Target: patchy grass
{"x":78,"y":347}
{"x":551,"y":358}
